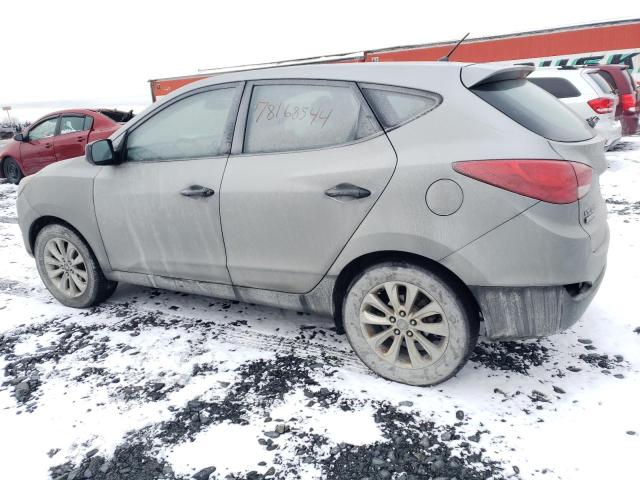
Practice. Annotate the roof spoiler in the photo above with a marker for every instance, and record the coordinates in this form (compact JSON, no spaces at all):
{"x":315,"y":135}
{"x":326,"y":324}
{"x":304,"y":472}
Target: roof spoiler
{"x":479,"y":73}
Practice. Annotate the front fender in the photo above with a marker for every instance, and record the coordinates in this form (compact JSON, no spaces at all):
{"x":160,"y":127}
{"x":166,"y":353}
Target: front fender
{"x":63,"y":191}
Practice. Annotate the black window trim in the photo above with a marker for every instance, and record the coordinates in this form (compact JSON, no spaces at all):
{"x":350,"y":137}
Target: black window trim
{"x":237,"y":148}
{"x":407,"y":90}
{"x":121,"y":140}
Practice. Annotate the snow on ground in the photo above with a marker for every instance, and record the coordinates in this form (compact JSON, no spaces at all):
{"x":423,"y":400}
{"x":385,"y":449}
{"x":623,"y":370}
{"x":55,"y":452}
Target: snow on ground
{"x":157,"y":384}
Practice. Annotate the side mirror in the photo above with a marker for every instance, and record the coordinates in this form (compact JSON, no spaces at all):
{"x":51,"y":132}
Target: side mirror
{"x":101,"y":153}
{"x":18,"y":137}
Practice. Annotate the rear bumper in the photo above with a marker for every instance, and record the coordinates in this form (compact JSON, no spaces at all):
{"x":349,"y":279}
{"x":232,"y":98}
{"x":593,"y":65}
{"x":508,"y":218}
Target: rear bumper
{"x":536,"y":274}
{"x":525,"y":312}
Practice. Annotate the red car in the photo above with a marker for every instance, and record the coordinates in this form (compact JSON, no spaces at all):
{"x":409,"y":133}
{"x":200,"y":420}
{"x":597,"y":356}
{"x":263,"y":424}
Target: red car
{"x":57,"y":136}
{"x":621,"y":81}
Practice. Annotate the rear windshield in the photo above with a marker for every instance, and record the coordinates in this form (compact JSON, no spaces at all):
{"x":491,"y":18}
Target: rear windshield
{"x":558,"y":87}
{"x":534,"y":109}
{"x":602,"y":83}
{"x":609,"y":79}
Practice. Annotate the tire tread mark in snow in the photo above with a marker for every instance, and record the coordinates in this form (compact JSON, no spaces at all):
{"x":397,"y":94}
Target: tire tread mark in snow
{"x":225,"y":332}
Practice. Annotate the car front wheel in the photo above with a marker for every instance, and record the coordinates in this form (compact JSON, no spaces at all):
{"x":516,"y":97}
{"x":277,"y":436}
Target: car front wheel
{"x":408,"y":324}
{"x":11,"y":170}
{"x":69,"y":269}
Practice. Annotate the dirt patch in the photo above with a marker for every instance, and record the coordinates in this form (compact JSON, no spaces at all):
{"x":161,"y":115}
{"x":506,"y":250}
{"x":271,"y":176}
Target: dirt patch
{"x":516,"y":357}
{"x":602,"y":360}
{"x":23,"y":371}
{"x":130,"y":462}
{"x":622,"y":207}
{"x":414,"y":450}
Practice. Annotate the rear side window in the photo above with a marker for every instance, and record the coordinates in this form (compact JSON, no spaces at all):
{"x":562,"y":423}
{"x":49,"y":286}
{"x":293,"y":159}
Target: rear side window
{"x":534,"y":109}
{"x":88,"y":122}
{"x":603,"y":85}
{"x":285,"y":118}
{"x":556,"y":86}
{"x":70,"y":124}
{"x":396,"y":106}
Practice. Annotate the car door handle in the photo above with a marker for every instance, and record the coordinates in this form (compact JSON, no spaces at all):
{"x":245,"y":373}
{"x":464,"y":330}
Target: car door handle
{"x":197,"y":191}
{"x":347,"y":190}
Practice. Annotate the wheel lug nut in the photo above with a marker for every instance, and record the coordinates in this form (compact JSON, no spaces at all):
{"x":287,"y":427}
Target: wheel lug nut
{"x":396,"y":331}
{"x":392,"y":319}
{"x":402,"y":313}
{"x":413,"y":322}
{"x":409,"y":333}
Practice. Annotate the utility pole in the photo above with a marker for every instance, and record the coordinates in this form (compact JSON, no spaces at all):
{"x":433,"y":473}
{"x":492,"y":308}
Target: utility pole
{"x":6,"y":109}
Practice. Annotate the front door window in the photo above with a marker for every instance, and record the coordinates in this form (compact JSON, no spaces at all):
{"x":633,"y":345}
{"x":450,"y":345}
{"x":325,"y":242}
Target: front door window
{"x":46,"y":129}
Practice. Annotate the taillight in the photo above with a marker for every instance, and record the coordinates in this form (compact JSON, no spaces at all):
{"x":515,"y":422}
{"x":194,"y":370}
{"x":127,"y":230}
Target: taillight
{"x":628,"y":102}
{"x":552,"y":181}
{"x":601,"y":105}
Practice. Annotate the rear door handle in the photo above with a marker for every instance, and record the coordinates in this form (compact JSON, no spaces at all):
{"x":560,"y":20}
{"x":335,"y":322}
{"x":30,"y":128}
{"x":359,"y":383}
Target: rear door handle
{"x":347,"y":190}
{"x":197,"y":191}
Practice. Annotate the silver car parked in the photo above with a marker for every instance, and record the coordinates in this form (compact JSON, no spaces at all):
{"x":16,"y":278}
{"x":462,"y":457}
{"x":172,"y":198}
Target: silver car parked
{"x":409,"y":201}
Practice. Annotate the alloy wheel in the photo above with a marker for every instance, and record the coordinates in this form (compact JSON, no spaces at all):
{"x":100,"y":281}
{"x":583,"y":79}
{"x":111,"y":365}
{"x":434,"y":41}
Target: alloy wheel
{"x":65,"y":267}
{"x":404,"y":325}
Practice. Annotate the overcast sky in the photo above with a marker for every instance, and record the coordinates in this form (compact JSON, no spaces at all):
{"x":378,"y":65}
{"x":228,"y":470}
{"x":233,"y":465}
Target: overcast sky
{"x":86,"y":53}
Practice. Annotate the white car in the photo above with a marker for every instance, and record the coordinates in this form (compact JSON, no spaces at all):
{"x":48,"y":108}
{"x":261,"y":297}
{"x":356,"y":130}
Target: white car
{"x":585,"y":92}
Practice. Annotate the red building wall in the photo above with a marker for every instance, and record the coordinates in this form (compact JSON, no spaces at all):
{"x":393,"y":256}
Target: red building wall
{"x":574,"y":40}
{"x":594,"y":39}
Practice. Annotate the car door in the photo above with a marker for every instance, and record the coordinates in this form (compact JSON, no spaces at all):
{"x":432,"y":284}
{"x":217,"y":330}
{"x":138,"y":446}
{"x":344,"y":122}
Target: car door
{"x":158,"y":211}
{"x":309,"y":161}
{"x":72,"y":137}
{"x":38,"y":150}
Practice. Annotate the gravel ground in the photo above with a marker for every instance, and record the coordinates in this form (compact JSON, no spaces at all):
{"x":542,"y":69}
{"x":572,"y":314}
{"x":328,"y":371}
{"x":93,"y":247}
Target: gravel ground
{"x":162,"y":385}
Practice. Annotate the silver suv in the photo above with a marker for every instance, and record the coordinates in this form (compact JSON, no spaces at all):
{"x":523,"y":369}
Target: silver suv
{"x":409,"y":201}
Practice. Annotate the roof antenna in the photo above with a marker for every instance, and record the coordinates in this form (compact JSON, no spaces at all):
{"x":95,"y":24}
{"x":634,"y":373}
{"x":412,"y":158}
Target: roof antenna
{"x":446,"y":57}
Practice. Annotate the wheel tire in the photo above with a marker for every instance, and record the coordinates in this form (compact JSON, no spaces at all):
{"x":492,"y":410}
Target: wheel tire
{"x":442,"y":343}
{"x":11,"y":170}
{"x":53,"y":255}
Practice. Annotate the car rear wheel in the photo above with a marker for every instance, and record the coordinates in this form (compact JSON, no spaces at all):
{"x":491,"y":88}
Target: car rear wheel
{"x":69,"y":269}
{"x":11,"y":170}
{"x":408,"y":324}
